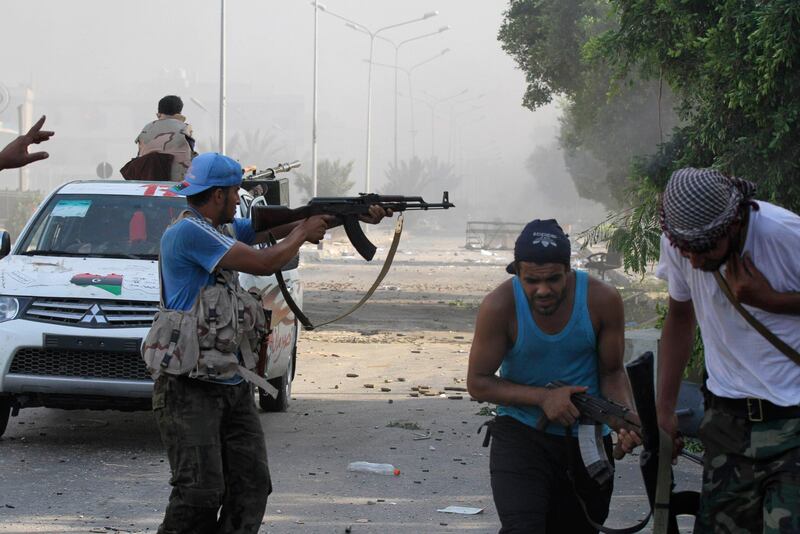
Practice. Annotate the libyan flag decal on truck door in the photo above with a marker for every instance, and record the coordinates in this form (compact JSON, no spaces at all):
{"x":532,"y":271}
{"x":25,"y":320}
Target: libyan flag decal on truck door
{"x":110,"y":282}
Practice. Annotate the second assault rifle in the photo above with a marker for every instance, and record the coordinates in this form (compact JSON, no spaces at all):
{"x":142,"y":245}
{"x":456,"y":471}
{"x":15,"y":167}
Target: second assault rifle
{"x":346,"y":208}
{"x":597,"y":411}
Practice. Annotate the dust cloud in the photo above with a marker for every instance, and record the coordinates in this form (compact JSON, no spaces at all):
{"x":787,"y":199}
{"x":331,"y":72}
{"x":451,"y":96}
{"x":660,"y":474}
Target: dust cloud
{"x":97,"y":70}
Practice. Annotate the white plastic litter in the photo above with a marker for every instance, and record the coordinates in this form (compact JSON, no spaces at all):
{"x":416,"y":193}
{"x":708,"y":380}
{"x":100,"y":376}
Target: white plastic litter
{"x":465,"y":510}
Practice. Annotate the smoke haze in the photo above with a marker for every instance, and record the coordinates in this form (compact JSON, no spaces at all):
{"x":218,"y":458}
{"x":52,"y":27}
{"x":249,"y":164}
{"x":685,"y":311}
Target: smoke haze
{"x":97,"y":69}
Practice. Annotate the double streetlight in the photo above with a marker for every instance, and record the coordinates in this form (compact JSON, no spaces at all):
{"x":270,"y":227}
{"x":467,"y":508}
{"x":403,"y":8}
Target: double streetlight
{"x":372,"y":36}
{"x":432,"y":105}
{"x":408,"y":72}
{"x":396,"y":68}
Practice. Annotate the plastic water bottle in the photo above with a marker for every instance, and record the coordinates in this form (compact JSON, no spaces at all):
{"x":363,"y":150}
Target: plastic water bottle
{"x":369,"y":467}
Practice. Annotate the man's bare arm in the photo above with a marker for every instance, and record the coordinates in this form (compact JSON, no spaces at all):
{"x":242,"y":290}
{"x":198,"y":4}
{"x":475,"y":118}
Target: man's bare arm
{"x":375,"y":216}
{"x":489,"y":345}
{"x":267,"y":261}
{"x":677,"y":338}
{"x":614,"y":383}
{"x":279,"y":232}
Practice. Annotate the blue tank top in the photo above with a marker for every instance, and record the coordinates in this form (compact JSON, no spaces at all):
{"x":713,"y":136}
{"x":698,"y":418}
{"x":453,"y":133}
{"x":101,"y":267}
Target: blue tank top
{"x":538,"y":358}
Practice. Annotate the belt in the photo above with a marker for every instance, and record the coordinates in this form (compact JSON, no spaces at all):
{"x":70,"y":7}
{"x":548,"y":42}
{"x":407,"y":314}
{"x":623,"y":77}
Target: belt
{"x":754,"y":410}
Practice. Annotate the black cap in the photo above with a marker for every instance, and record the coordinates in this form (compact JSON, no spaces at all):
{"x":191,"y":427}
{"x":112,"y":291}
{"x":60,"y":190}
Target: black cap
{"x":541,"y":241}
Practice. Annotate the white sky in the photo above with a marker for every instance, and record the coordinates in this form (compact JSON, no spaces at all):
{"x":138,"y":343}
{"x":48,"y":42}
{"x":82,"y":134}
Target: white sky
{"x":93,"y":51}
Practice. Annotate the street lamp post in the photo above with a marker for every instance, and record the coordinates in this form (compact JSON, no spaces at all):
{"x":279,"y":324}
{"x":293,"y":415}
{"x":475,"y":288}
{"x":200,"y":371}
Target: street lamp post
{"x":408,"y":72}
{"x":222,"y":96}
{"x":372,"y":36}
{"x":396,"y":65}
{"x":432,"y":105}
{"x":314,"y":109}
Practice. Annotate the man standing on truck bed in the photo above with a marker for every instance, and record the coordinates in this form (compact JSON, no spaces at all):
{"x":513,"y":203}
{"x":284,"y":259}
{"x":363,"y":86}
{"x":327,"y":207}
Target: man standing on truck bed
{"x":166,"y":145}
{"x":547,"y":323}
{"x":201,"y":346}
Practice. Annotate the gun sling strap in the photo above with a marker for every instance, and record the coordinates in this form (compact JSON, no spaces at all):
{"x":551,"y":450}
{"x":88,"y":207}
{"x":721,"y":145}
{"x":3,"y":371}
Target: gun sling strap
{"x":303,"y":318}
{"x":776,"y":342}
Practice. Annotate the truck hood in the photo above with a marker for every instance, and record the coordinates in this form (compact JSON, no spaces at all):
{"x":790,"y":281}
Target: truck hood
{"x":99,"y":278}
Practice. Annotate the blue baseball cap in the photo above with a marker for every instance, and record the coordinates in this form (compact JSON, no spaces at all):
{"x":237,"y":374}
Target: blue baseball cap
{"x":541,"y":241}
{"x":209,"y":170}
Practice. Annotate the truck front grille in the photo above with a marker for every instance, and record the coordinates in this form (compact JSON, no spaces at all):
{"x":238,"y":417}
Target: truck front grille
{"x":79,"y":363}
{"x":92,"y":313}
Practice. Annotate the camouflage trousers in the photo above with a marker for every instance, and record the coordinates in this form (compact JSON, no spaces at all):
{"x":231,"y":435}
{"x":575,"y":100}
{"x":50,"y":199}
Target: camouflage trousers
{"x":751,"y":476}
{"x":217,"y":455}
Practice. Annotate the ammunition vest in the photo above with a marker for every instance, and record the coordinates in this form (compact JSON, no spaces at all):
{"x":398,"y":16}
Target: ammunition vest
{"x":206,"y":341}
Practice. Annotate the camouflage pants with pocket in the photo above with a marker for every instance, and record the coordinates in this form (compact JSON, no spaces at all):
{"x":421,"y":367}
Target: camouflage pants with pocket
{"x":751,"y":476}
{"x":217,"y":455}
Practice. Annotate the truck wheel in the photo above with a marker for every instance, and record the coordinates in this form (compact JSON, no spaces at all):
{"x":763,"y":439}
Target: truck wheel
{"x":5,"y":411}
{"x":284,"y":386}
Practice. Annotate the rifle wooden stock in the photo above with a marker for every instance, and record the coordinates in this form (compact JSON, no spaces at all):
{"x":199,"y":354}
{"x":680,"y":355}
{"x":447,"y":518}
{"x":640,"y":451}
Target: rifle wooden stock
{"x":348,"y":209}
{"x":640,"y":372}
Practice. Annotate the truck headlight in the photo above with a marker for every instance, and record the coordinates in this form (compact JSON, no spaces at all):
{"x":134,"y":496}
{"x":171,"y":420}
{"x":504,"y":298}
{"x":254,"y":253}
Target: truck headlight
{"x":9,"y":307}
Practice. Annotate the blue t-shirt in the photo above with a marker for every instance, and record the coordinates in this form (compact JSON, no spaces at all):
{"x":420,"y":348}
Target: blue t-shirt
{"x":190,"y":251}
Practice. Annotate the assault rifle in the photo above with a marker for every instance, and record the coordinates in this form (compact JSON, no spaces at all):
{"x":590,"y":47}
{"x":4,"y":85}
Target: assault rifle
{"x":260,"y":182}
{"x":596,"y":411}
{"x":607,"y":412}
{"x":347,"y":208}
{"x":655,"y":460}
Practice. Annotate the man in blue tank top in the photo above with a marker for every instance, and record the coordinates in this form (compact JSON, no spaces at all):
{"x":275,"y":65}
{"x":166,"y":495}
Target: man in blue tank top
{"x":547,"y":323}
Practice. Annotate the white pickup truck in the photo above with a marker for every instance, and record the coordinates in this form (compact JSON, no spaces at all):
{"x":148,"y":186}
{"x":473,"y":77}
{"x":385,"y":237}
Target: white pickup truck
{"x":78,"y":292}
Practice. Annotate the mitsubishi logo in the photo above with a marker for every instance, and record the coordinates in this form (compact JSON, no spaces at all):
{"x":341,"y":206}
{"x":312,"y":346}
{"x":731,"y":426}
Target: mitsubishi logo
{"x":94,"y":316}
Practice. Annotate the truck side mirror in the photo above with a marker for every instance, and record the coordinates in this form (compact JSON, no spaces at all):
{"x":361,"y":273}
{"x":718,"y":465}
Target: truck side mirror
{"x":5,"y":243}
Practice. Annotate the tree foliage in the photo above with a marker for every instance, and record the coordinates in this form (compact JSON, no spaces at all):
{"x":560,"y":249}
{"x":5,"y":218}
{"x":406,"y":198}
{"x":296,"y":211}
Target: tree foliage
{"x":728,"y":66}
{"x":732,"y":65}
{"x":333,"y":180}
{"x":604,"y":124}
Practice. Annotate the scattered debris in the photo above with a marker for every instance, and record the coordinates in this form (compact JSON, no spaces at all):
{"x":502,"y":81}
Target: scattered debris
{"x":405,"y":425}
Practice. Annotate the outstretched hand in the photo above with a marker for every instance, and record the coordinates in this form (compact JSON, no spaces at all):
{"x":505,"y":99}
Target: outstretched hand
{"x":747,"y":283}
{"x":16,"y":155}
{"x":376,"y":214}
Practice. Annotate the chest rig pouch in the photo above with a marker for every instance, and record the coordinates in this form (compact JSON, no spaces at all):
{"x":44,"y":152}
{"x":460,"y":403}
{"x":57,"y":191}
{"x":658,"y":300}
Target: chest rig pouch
{"x":218,"y":337}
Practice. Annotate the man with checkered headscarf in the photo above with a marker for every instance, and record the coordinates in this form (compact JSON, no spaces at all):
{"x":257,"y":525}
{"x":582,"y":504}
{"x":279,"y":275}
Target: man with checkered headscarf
{"x":751,"y":428}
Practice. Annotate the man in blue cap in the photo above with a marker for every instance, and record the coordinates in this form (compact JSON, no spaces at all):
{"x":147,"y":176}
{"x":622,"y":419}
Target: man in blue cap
{"x":210,"y":427}
{"x":547,"y":323}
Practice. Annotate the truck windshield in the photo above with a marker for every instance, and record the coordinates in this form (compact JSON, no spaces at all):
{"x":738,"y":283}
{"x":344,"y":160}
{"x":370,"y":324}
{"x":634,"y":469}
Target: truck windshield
{"x":102,"y":226}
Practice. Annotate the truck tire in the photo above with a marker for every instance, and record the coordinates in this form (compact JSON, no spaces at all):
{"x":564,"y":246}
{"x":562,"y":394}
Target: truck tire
{"x":284,"y":386}
{"x":5,"y":412}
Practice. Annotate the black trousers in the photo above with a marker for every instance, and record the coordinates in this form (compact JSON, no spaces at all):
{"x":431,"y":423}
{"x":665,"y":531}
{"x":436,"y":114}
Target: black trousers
{"x":531,"y":490}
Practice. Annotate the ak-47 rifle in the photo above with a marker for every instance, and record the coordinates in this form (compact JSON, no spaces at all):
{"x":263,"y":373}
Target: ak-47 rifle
{"x":348,"y":209}
{"x":608,"y":412}
{"x":597,"y":411}
{"x":265,"y":181}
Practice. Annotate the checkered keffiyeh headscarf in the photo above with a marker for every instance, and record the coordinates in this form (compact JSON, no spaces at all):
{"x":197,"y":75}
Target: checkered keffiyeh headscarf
{"x":699,"y":205}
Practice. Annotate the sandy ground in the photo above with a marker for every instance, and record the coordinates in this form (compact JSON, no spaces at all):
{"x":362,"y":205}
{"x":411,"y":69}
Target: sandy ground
{"x":106,"y":471}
